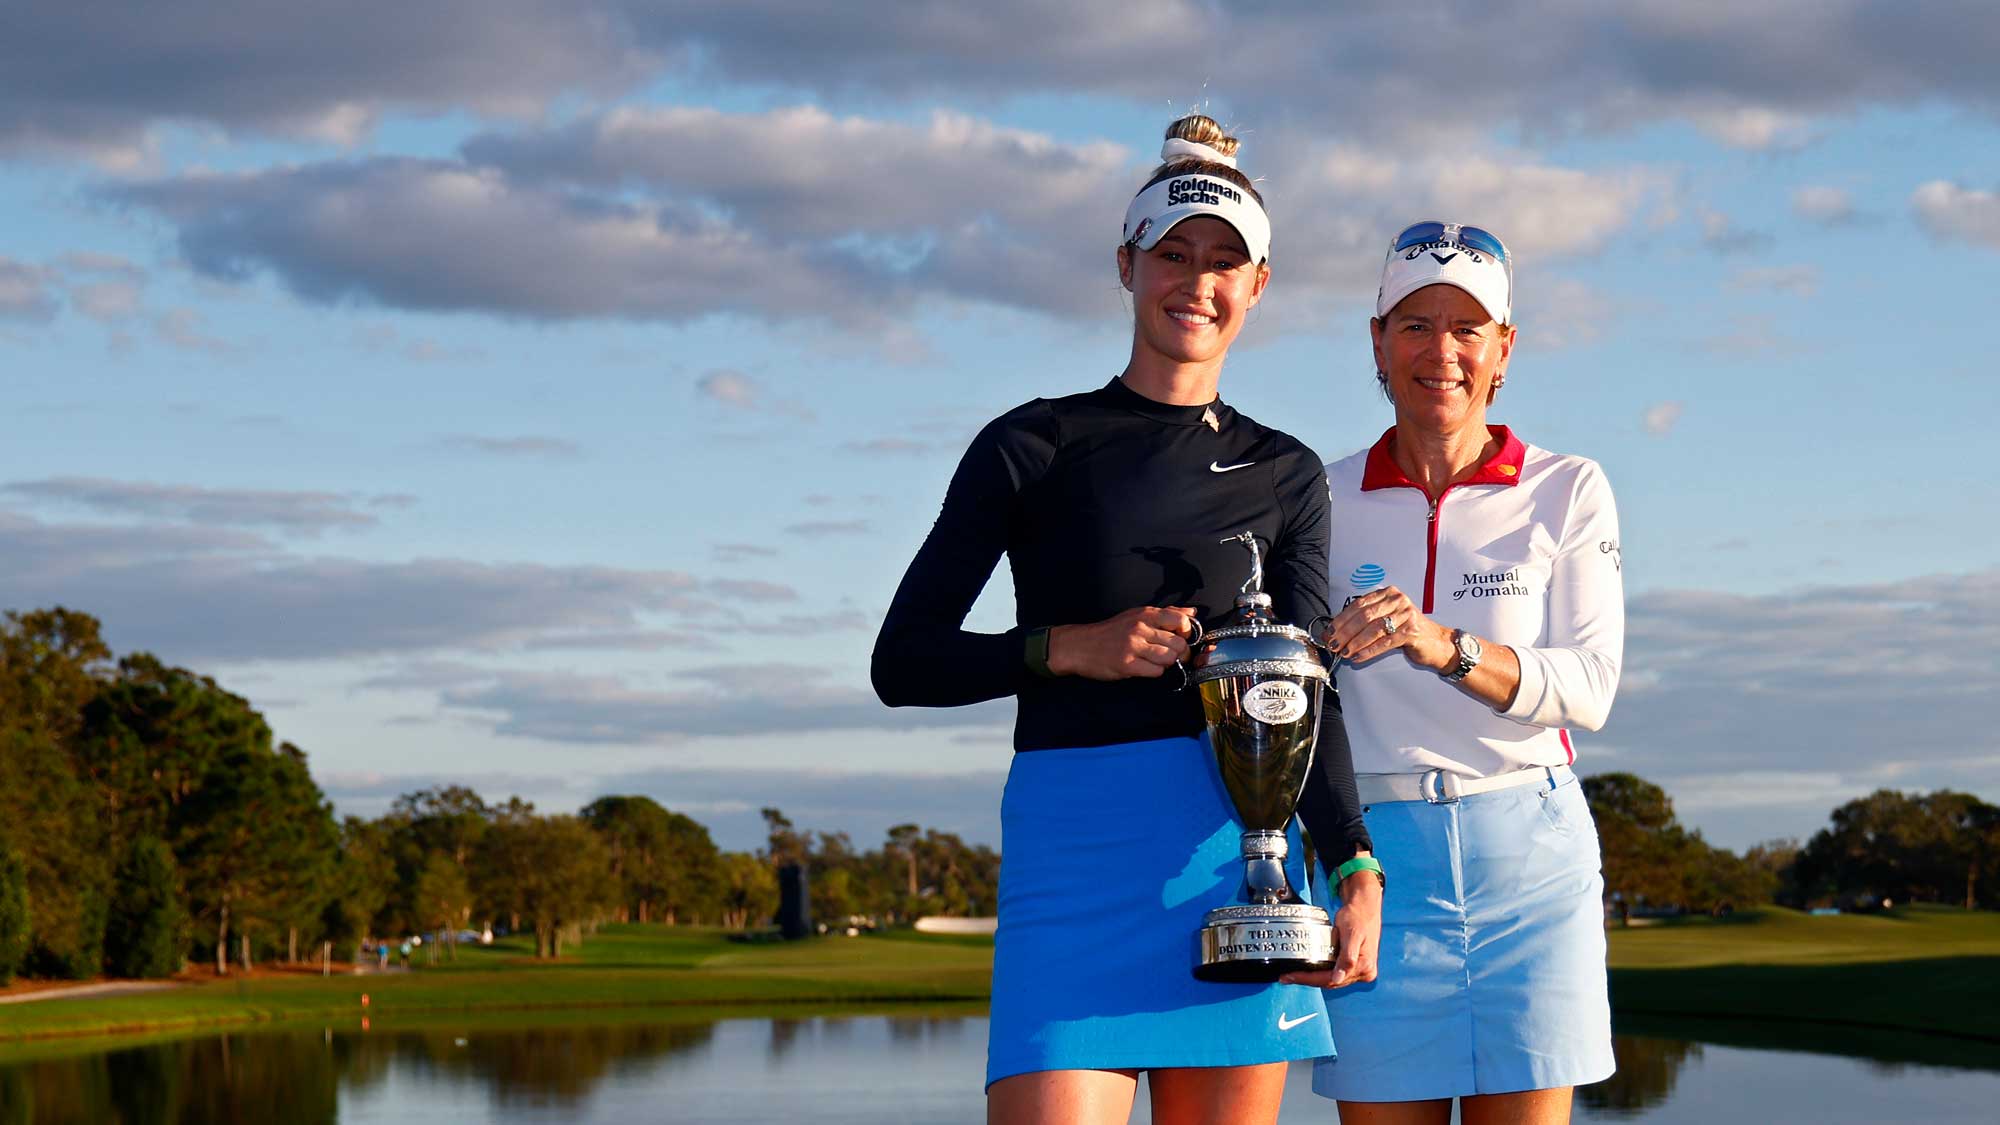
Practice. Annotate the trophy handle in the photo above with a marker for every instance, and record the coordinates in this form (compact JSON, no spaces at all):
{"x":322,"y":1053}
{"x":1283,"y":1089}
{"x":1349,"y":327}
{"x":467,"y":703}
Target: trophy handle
{"x":1313,"y":631}
{"x":1186,"y":676}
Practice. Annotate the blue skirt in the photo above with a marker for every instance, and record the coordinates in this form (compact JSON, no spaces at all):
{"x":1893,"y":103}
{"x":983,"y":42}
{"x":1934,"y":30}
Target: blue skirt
{"x":1492,"y":973}
{"x":1110,"y":856}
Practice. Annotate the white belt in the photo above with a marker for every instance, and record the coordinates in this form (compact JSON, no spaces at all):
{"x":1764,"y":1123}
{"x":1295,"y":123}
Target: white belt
{"x":1441,"y":787}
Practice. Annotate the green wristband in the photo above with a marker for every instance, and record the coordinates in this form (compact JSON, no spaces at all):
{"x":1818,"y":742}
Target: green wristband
{"x":1036,"y":654}
{"x":1361,"y":863}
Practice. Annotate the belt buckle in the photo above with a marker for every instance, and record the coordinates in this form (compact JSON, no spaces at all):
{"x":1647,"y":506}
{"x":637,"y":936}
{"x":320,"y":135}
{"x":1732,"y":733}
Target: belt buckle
{"x":1444,"y":783}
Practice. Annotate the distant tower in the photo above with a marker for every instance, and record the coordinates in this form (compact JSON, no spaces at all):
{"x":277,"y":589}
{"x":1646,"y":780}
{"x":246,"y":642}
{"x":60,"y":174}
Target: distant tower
{"x":794,"y":906}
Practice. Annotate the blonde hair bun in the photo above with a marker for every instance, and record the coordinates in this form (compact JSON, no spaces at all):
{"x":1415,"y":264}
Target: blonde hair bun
{"x":1196,"y":144}
{"x":1203,"y":130}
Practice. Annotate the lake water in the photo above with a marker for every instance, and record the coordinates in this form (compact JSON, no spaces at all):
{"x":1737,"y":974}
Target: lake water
{"x":907,"y":1069}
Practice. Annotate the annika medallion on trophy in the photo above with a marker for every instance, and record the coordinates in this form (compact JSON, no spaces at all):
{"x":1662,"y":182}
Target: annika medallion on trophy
{"x":1261,"y":683}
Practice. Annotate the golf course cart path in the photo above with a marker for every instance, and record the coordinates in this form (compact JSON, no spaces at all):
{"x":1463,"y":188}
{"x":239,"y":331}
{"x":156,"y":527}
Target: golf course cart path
{"x":108,"y":988}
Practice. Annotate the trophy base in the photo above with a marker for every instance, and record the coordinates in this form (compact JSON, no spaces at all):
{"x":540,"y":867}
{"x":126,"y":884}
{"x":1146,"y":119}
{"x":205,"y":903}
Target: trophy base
{"x":1259,"y":944}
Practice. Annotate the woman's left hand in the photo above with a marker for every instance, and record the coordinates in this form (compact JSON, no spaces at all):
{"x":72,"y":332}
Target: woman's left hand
{"x":1385,"y":619}
{"x":1357,"y":936}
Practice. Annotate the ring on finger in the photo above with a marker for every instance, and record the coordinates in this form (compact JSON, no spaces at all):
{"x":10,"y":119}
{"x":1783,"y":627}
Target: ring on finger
{"x":1389,"y":626}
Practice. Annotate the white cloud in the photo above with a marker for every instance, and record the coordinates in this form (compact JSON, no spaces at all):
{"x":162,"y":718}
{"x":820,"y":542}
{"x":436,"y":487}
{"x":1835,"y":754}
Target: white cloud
{"x":863,"y":803}
{"x":811,"y":174}
{"x":389,"y":340}
{"x":892,"y":446}
{"x":718,"y":701}
{"x":1720,"y":234}
{"x":820,"y":529}
{"x":613,"y":640}
{"x":1546,"y":211}
{"x":1749,"y":336}
{"x":1337,"y":205}
{"x":752,"y":589}
{"x":1753,"y":127}
{"x":104,"y":287}
{"x":107,"y":301}
{"x":1746,"y":73}
{"x":440,"y":236}
{"x":1753,"y":789}
{"x":25,"y":292}
{"x":90,"y":263}
{"x":847,"y":221}
{"x":1660,"y":417}
{"x":810,"y":624}
{"x":1799,"y":281}
{"x":1559,"y":312}
{"x":738,"y":391}
{"x":730,"y":388}
{"x":1731,"y":682}
{"x":1733,"y":703}
{"x":520,"y":445}
{"x":185,"y":328}
{"x":215,"y":593}
{"x":1822,"y":204}
{"x":291,"y":512}
{"x":1747,"y":70}
{"x":1957,"y":214}
{"x":77,"y":80}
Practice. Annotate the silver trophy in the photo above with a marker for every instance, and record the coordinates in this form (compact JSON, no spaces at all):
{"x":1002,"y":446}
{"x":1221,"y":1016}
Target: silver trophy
{"x":1260,"y":684}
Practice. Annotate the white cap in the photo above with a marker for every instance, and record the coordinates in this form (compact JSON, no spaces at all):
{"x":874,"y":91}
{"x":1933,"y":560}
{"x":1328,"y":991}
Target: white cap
{"x":1157,"y":208}
{"x":1447,"y":260}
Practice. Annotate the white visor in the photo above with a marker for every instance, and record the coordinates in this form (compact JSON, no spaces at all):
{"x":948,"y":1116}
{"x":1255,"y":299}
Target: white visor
{"x":1447,"y":263}
{"x":1157,"y":209}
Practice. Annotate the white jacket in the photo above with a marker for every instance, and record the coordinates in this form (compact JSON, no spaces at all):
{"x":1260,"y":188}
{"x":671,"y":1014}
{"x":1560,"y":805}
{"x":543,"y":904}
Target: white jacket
{"x":1525,"y":554}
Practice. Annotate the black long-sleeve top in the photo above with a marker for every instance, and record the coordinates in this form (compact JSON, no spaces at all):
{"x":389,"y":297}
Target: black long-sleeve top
{"x":1102,"y":502}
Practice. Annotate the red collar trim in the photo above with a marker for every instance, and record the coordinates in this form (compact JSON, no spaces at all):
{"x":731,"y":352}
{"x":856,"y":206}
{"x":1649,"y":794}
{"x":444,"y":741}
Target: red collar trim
{"x":1504,"y":467}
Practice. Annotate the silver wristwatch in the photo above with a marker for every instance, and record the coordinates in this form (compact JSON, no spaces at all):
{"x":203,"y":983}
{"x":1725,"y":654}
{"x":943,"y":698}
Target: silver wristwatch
{"x":1468,"y":655}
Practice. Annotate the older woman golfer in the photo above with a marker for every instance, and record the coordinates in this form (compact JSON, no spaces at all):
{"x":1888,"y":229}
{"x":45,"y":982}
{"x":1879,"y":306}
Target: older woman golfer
{"x":1484,"y":621}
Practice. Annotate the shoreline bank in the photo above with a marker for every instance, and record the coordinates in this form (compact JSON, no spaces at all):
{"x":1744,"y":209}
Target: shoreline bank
{"x":1923,"y":972}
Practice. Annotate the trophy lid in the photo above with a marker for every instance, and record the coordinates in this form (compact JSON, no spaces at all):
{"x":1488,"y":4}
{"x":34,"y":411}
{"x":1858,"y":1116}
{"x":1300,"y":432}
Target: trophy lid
{"x":1257,"y":648}
{"x":1254,"y":644}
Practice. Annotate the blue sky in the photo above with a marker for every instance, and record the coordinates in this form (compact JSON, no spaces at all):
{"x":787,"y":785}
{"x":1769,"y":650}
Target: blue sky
{"x":548,"y":397}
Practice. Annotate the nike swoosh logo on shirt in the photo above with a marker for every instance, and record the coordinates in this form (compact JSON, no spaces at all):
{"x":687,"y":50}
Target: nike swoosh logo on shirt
{"x":1286,"y":1025}
{"x":1216,"y":467}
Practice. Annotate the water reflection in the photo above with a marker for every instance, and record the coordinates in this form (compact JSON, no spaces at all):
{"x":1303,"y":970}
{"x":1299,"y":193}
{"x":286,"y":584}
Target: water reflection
{"x":1875,"y":1044}
{"x":912,"y":1067}
{"x":542,"y":1066}
{"x":228,"y":1079}
{"x":1647,"y":1070}
{"x":783,"y":1034}
{"x":299,"y":1077}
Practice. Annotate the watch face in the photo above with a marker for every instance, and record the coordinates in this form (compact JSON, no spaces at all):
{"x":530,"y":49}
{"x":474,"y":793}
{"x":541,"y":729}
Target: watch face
{"x":1468,"y":646}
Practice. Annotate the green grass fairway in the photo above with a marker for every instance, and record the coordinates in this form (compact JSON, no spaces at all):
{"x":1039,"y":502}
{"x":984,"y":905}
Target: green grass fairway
{"x":1925,"y":969}
{"x":621,"y":967}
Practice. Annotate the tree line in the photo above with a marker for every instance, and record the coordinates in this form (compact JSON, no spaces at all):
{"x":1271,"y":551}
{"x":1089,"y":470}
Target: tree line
{"x":148,"y":818}
{"x":1887,"y":847}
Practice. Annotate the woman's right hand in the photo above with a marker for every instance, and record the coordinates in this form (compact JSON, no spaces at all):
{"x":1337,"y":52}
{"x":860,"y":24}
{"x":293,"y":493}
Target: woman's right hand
{"x":1142,"y":642}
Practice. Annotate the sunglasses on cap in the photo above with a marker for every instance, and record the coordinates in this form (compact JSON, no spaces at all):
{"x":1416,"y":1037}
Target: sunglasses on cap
{"x":1453,"y":234}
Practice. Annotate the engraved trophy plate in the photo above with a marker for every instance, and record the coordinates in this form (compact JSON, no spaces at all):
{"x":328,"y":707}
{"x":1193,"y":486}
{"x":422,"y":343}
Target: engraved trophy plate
{"x":1246,"y":951}
{"x":1260,"y":684}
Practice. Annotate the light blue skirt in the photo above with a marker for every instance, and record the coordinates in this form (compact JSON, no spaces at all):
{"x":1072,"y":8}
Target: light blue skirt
{"x":1110,"y":856}
{"x":1492,"y":974}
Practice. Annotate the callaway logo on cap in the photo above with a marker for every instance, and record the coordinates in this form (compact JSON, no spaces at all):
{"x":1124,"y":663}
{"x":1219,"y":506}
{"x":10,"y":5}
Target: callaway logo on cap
{"x":1439,"y":253}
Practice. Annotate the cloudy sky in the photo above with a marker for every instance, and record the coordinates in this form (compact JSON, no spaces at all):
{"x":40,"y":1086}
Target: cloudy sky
{"x":547,"y":396}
